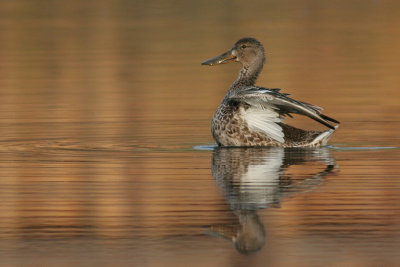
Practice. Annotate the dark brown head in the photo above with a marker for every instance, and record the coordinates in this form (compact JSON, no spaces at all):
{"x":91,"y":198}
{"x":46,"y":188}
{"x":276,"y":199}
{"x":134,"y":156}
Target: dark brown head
{"x":247,"y":51}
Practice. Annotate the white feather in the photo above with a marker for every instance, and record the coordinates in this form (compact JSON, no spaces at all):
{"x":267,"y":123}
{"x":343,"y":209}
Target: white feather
{"x":324,"y":137}
{"x":264,"y":120}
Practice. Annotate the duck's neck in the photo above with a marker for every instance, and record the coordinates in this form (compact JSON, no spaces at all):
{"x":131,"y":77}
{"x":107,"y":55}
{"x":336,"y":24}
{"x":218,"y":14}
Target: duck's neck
{"x":248,"y":75}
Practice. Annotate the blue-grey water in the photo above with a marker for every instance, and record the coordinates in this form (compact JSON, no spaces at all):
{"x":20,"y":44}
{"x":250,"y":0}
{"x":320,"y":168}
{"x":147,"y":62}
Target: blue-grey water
{"x":106,"y":155}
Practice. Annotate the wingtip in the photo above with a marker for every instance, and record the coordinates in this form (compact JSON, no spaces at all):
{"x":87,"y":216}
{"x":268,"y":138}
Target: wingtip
{"x":334,"y":128}
{"x":329,"y":118}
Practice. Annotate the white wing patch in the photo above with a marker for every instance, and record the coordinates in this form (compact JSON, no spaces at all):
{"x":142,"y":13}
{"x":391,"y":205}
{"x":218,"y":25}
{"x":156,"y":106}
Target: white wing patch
{"x":262,"y":119}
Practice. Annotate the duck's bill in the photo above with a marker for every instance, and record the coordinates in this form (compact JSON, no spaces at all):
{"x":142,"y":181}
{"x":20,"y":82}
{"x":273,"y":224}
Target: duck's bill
{"x":226,"y":57}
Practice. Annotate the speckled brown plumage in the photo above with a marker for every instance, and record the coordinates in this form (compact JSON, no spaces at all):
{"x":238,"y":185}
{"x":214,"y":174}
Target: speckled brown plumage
{"x":229,"y":129}
{"x":253,"y":116}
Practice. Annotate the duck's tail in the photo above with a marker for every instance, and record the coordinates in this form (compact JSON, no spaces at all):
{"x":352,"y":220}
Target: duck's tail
{"x":323,"y":138}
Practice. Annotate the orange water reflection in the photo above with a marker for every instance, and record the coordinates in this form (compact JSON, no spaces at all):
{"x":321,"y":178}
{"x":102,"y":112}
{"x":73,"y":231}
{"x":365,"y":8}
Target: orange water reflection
{"x":102,"y":102}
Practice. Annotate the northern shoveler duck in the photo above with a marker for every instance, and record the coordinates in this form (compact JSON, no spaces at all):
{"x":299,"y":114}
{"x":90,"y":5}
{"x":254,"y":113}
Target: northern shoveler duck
{"x":254,"y":116}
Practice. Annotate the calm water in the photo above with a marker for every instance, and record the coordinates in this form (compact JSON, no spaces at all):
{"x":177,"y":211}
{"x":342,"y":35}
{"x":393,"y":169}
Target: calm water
{"x":106,"y":156}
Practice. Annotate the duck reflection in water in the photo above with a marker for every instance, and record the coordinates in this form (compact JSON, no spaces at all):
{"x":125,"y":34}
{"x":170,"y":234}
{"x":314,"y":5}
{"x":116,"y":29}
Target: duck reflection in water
{"x":256,"y":178}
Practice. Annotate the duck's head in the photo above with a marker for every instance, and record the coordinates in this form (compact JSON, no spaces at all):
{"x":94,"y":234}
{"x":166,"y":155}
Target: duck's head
{"x":247,"y":51}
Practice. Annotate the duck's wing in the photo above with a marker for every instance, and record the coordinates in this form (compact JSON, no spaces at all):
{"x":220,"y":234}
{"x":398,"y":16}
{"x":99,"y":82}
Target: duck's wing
{"x":264,"y":98}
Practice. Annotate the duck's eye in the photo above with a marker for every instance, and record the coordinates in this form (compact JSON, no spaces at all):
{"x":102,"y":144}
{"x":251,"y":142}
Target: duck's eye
{"x":244,"y":46}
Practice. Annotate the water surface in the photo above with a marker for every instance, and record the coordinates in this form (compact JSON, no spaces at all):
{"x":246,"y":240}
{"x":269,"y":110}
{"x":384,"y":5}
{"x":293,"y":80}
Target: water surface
{"x":106,"y":155}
